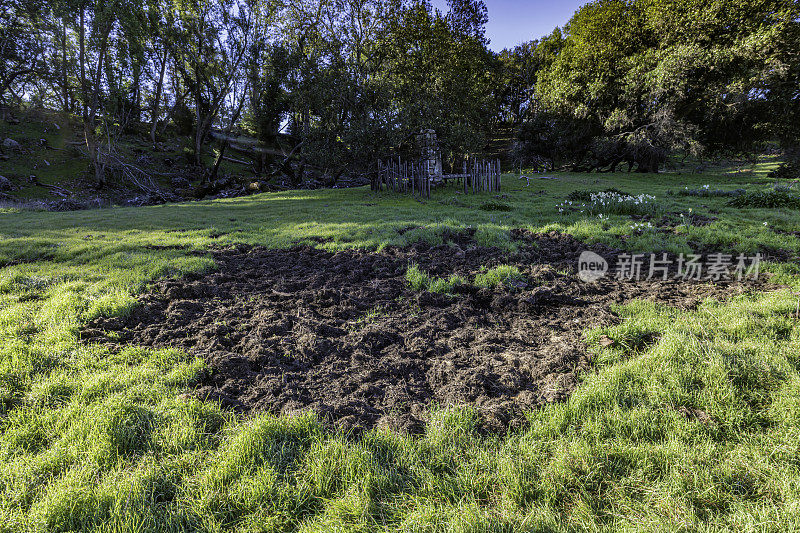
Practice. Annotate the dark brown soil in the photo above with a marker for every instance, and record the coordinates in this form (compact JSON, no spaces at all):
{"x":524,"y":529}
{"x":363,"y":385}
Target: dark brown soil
{"x":343,"y":333}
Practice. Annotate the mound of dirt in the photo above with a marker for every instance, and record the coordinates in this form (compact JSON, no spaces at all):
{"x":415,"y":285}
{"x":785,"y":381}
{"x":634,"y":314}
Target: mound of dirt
{"x":343,"y":333}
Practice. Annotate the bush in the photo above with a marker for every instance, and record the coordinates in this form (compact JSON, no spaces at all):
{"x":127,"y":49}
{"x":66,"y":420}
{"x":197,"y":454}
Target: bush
{"x":774,"y":198}
{"x":789,"y":169}
{"x":184,"y":119}
{"x":495,"y":206}
{"x":706,"y":192}
{"x":786,"y":171}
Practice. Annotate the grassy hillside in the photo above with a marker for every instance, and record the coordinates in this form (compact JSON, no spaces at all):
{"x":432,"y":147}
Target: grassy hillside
{"x":110,"y":441}
{"x":52,"y":152}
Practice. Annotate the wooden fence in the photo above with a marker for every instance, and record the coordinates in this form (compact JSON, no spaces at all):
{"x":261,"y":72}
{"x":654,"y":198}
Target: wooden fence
{"x":403,"y":176}
{"x":483,"y":177}
{"x":408,"y":177}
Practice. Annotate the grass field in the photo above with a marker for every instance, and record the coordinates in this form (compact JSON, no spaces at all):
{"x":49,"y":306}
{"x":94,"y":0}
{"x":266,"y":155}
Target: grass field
{"x":94,"y":440}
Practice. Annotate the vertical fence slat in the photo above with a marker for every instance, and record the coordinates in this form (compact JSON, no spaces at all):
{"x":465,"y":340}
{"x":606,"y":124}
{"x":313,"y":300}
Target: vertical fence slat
{"x":407,"y":176}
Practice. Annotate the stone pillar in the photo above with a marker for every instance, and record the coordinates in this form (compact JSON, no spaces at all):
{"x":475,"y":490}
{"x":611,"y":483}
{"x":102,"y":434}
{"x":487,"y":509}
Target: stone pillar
{"x":430,"y":154}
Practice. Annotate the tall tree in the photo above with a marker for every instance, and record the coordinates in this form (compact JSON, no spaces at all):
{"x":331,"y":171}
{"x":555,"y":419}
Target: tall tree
{"x":22,"y":46}
{"x":209,"y":41}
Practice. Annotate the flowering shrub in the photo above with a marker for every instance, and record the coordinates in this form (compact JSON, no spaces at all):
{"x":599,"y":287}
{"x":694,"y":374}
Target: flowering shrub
{"x":584,"y":196}
{"x":604,"y":204}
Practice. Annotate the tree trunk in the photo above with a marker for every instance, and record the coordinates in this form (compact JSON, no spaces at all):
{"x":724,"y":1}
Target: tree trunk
{"x":198,"y":138}
{"x":90,"y":113}
{"x":82,"y":61}
{"x":64,"y":78}
{"x":137,"y":95}
{"x":228,"y":130}
{"x":88,"y":129}
{"x":157,"y":102}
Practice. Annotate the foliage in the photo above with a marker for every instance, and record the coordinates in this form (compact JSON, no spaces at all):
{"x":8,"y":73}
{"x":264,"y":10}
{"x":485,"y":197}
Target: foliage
{"x":325,"y":87}
{"x":22,"y":47}
{"x":635,"y":81}
{"x":707,"y":192}
{"x":774,"y":198}
{"x":328,"y":87}
{"x":495,"y":206}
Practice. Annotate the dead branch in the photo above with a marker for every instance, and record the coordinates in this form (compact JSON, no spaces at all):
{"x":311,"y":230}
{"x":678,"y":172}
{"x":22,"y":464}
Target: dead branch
{"x":55,"y":188}
{"x":232,"y":160}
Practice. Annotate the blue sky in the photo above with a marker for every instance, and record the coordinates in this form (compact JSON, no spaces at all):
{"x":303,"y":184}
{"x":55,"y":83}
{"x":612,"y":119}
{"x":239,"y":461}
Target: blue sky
{"x":514,"y":21}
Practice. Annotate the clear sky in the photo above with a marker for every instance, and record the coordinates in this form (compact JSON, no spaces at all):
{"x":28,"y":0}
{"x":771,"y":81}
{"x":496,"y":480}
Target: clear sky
{"x":515,"y":21}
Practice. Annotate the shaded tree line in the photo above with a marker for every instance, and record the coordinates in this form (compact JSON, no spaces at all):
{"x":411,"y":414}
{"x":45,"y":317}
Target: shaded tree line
{"x":328,"y":85}
{"x":629,"y":82}
{"x":333,"y":85}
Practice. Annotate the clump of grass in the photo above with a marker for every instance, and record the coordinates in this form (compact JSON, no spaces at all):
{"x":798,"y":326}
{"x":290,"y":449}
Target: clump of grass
{"x":707,"y":192}
{"x":494,"y":206}
{"x":505,"y":275}
{"x":493,"y":236}
{"x":770,"y":199}
{"x":422,"y":281}
{"x":113,"y":303}
{"x":127,"y":427}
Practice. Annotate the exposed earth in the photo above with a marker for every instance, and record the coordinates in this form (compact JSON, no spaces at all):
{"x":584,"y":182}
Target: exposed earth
{"x":345,"y":335}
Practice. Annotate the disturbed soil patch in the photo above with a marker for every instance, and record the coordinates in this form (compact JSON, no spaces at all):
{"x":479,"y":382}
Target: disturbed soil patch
{"x":343,"y":334}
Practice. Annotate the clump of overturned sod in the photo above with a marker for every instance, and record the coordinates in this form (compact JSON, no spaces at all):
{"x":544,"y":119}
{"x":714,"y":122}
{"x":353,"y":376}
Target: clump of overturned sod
{"x":500,"y":275}
{"x":422,"y":281}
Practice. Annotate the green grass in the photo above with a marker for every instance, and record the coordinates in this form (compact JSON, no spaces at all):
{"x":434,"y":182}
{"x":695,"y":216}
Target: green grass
{"x":501,"y":275}
{"x":97,"y":440}
{"x":420,"y":280}
{"x":497,"y":276}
